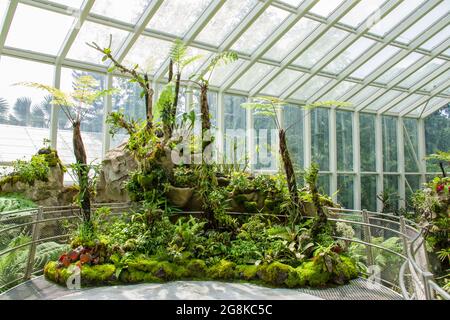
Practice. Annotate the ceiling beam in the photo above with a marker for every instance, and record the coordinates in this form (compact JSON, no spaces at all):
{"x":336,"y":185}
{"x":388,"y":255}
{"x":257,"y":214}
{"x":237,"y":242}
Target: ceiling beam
{"x":423,"y":100}
{"x":395,"y":33}
{"x":344,"y":45}
{"x":307,"y":43}
{"x":431,"y":111}
{"x":270,"y":42}
{"x":6,"y":22}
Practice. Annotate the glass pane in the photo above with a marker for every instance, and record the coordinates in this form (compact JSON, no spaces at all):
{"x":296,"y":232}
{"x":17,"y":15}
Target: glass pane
{"x":390,"y":189}
{"x":399,"y":67}
{"x":376,"y":61}
{"x":265,"y":143}
{"x":293,"y":119}
{"x":412,"y":184}
{"x":369,"y":192}
{"x":294,"y":3}
{"x":344,"y":140}
{"x":252,"y":77}
{"x":129,"y":11}
{"x":345,"y":188}
{"x":440,"y":37}
{"x":69,"y":3}
{"x":437,"y":135}
{"x":22,"y":108}
{"x":320,"y":138}
{"x":363,"y":95}
{"x":408,"y":102}
{"x":324,"y":184}
{"x":390,"y":144}
{"x":423,"y":24}
{"x":235,"y":120}
{"x":311,"y":87}
{"x":92,"y":32}
{"x":421,"y":73}
{"x":367,"y":142}
{"x":222,"y":72}
{"x":128,"y":100}
{"x":260,"y":30}
{"x":47,"y":36}
{"x":291,"y":39}
{"x":338,"y":91}
{"x":349,"y":55}
{"x":233,"y":12}
{"x":411,"y":141}
{"x":395,"y":17}
{"x":326,"y":7}
{"x":361,"y":12}
{"x":3,"y":8}
{"x":320,"y":48}
{"x":148,"y":60}
{"x":284,"y":80}
{"x":437,"y":82}
{"x":177,"y":16}
{"x":382,"y":101}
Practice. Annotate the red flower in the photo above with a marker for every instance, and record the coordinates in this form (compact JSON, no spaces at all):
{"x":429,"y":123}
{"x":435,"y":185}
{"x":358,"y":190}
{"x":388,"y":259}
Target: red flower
{"x":439,"y":187}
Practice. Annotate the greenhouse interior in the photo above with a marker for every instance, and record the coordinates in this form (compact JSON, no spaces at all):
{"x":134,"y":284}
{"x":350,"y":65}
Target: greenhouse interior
{"x":225,"y":149}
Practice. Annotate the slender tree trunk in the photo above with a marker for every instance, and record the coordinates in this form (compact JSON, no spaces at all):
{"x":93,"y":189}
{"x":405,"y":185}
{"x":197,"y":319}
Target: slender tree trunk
{"x":207,"y":138}
{"x":149,"y":103}
{"x":444,"y":174}
{"x":170,"y":71}
{"x":173,"y":111}
{"x":82,"y":171}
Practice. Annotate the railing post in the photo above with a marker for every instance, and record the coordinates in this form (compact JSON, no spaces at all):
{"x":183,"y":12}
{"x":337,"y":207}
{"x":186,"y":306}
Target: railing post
{"x":426,"y":278}
{"x":35,"y":233}
{"x":367,"y":238}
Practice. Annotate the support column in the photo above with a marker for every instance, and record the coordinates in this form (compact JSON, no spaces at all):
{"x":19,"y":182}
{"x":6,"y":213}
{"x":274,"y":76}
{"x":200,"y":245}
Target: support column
{"x":422,"y":151}
{"x":333,"y":153}
{"x":220,"y":138}
{"x":356,"y":162}
{"x":379,"y":157}
{"x":250,"y":139}
{"x":401,"y":162}
{"x":55,"y":110}
{"x":107,"y":109}
{"x":307,"y":140}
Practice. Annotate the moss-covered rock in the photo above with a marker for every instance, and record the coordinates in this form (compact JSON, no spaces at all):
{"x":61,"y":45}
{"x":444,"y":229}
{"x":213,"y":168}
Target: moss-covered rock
{"x":312,"y":274}
{"x":98,"y":274}
{"x":278,"y":274}
{"x":196,"y":268}
{"x":222,"y":270}
{"x":251,"y":206}
{"x":246,"y":272}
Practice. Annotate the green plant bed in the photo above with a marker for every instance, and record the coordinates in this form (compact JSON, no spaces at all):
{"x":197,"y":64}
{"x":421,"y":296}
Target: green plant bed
{"x":13,"y":202}
{"x":142,"y":270}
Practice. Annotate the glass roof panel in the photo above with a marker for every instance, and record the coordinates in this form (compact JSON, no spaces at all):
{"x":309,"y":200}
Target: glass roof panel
{"x":421,"y":73}
{"x":383,"y":100}
{"x":438,"y":38}
{"x":303,"y":28}
{"x":3,"y":7}
{"x":326,"y":7}
{"x":406,"y":103}
{"x":441,"y":102}
{"x":222,"y":72}
{"x":285,"y":79}
{"x":90,"y":32}
{"x":321,"y":47}
{"x":338,"y":91}
{"x":294,"y":3}
{"x":47,"y":36}
{"x":361,"y":12}
{"x":430,"y":18}
{"x":397,"y":15}
{"x":437,"y":81}
{"x":376,"y":61}
{"x":260,"y":30}
{"x":70,"y":3}
{"x":399,"y":67}
{"x":252,"y":76}
{"x":363,"y":95}
{"x":177,"y":16}
{"x":350,"y":54}
{"x":129,"y":11}
{"x":233,"y":12}
{"x":148,"y":60}
{"x":311,"y":87}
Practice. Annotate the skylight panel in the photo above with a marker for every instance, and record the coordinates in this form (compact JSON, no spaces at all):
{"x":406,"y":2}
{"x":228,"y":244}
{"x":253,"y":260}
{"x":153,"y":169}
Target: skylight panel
{"x":421,"y":73}
{"x":399,"y":67}
{"x":406,"y":103}
{"x":432,"y":103}
{"x":70,"y":3}
{"x":233,"y":12}
{"x":3,"y":8}
{"x":363,"y":95}
{"x":294,"y":3}
{"x":284,"y":80}
{"x":350,"y":54}
{"x":47,"y":36}
{"x":375,"y":62}
{"x":260,"y":30}
{"x":310,"y":88}
{"x":339,"y":90}
{"x":361,"y":12}
{"x":325,"y":8}
{"x":382,"y":101}
{"x":321,"y":47}
{"x":93,"y":32}
{"x":128,"y":11}
{"x":438,"y":38}
{"x":177,"y":16}
{"x":222,"y":72}
{"x":397,"y":15}
{"x":437,"y":81}
{"x":252,"y":76}
{"x":303,"y":28}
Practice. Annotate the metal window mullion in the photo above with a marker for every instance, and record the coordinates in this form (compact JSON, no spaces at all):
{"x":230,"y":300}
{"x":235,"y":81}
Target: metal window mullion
{"x":107,"y":109}
{"x":356,"y":161}
{"x":6,"y":22}
{"x":401,"y":163}
{"x":422,"y":149}
{"x":307,"y":139}
{"x":379,"y":157}
{"x":422,"y":83}
{"x":54,"y":116}
{"x":397,"y":31}
{"x":344,"y":45}
{"x":251,"y":138}
{"x":421,"y":101}
{"x":332,"y":143}
{"x":220,"y":127}
{"x":307,"y":43}
{"x":74,"y":30}
{"x":268,"y":44}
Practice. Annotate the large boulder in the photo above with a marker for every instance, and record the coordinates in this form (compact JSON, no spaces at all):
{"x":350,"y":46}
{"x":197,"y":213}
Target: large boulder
{"x":180,"y":196}
{"x":116,"y":166}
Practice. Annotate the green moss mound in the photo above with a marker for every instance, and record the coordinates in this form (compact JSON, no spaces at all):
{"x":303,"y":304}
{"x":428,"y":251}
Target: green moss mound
{"x":141,"y":270}
{"x":13,"y":202}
